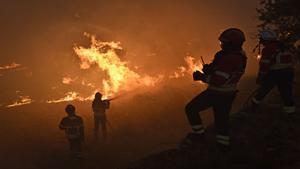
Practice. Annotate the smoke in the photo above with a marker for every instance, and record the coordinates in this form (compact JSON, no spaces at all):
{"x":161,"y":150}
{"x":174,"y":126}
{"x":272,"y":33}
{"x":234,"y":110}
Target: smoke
{"x":153,"y":42}
{"x":165,"y":37}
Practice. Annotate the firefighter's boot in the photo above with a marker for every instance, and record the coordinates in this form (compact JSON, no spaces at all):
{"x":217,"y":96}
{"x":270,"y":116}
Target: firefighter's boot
{"x":192,"y":140}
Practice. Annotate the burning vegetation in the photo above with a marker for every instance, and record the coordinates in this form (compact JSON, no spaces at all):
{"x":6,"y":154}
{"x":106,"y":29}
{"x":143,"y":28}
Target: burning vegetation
{"x":121,"y":78}
{"x":23,"y":100}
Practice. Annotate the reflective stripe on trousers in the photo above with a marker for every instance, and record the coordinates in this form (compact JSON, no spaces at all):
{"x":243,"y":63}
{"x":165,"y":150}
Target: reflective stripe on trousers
{"x":223,"y":74}
{"x":198,"y":129}
{"x":289,"y":109}
{"x":254,"y":100}
{"x":223,"y":139}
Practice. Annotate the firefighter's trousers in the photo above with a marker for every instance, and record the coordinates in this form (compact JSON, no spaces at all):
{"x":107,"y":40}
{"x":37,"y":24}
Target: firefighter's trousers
{"x":283,"y":79}
{"x":221,"y":102}
{"x":100,"y":119}
{"x":76,"y":146}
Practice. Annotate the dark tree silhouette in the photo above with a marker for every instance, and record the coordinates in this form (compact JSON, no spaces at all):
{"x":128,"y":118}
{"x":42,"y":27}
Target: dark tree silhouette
{"x":283,"y":16}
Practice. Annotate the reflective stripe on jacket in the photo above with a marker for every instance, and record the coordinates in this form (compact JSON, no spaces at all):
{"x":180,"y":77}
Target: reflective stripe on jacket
{"x":273,"y":58}
{"x":73,"y":126}
{"x":228,"y":68}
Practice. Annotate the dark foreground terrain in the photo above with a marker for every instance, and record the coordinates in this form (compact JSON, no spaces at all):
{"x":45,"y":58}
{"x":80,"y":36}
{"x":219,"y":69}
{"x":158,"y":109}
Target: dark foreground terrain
{"x":146,"y":130}
{"x":266,"y":140}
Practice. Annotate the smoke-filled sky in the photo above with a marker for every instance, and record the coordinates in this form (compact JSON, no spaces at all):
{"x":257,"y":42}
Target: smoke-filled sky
{"x":38,"y":36}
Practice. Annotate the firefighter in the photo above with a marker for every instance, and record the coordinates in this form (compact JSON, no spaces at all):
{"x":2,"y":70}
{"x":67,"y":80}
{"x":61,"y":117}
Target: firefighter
{"x":275,"y":69}
{"x":99,"y":107}
{"x":74,"y":130}
{"x":222,"y":76}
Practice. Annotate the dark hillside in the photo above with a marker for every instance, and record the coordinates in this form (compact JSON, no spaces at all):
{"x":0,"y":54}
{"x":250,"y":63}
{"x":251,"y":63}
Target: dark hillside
{"x":267,"y":139}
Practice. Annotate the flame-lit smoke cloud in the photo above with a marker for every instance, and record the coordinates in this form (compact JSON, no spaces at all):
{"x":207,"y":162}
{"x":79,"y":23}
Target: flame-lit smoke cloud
{"x":162,"y":34}
{"x":120,"y":76}
{"x":23,"y":100}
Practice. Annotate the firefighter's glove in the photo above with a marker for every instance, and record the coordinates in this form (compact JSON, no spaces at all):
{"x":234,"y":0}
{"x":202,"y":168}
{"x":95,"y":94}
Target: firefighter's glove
{"x":197,"y":75}
{"x":207,"y":69}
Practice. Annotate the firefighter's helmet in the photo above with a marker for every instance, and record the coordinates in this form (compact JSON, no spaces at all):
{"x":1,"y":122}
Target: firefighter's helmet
{"x":70,"y":109}
{"x":98,"y":95}
{"x":268,"y":35}
{"x":233,"y":35}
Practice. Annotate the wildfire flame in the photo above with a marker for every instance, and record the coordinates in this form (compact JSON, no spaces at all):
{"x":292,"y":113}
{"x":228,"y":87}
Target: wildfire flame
{"x":191,"y":65}
{"x":67,"y":80}
{"x":70,"y":96}
{"x":23,"y":100}
{"x":120,"y":76}
{"x":10,"y":66}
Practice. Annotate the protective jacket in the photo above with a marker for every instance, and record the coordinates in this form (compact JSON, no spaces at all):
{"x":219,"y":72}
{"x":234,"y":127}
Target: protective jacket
{"x":73,"y":126}
{"x":99,"y":107}
{"x":225,"y":71}
{"x":276,"y":68}
{"x":274,"y":58}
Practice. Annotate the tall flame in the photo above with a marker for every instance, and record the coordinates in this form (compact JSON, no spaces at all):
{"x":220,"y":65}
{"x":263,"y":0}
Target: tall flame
{"x":120,"y":76}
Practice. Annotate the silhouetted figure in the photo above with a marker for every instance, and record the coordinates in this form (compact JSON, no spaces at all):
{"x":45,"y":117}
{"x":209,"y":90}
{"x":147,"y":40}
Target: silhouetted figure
{"x":74,"y":129}
{"x":276,"y":68}
{"x":222,"y":76}
{"x":99,"y":106}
